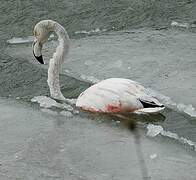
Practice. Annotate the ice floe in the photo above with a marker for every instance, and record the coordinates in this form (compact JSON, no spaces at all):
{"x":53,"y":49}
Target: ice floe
{"x":154,"y":130}
{"x":47,"y":102}
{"x":90,"y":79}
{"x":21,"y":40}
{"x":188,"y":109}
{"x":92,"y":31}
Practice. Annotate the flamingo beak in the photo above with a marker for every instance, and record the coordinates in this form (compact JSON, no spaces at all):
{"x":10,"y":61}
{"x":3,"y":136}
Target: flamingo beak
{"x":37,"y":52}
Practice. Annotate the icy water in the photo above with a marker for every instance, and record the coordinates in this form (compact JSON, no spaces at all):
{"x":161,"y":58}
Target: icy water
{"x":43,"y":139}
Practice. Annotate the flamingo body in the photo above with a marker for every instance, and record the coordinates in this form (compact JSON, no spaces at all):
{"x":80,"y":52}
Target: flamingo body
{"x":117,"y":95}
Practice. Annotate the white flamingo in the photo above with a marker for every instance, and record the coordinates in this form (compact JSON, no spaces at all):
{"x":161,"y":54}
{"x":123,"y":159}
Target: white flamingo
{"x":114,"y":95}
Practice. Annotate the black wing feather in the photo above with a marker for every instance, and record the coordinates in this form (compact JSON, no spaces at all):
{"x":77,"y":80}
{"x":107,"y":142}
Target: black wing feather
{"x":149,"y":104}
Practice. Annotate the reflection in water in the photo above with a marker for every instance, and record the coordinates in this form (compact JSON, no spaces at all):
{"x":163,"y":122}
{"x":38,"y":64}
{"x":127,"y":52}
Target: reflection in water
{"x":129,"y":121}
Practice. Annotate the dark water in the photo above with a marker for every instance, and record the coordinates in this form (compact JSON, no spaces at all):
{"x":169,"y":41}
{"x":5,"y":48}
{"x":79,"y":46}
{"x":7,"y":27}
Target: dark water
{"x":20,"y":79}
{"x":18,"y":17}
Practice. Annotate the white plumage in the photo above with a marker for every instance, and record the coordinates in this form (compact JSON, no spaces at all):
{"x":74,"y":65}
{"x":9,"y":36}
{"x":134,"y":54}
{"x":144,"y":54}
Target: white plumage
{"x":117,"y":95}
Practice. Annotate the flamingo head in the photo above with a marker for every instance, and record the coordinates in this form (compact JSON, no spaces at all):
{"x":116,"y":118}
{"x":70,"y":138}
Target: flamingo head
{"x":41,"y":32}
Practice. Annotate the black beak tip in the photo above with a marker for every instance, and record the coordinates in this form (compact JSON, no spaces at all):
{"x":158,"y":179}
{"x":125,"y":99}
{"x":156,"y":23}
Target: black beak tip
{"x":40,"y":59}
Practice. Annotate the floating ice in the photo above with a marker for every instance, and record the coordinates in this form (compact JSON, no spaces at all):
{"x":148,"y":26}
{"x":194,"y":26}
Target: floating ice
{"x":153,"y":156}
{"x":90,"y":79}
{"x":75,"y":112}
{"x":71,"y":101}
{"x":20,"y":40}
{"x":66,"y":113}
{"x":68,"y":107}
{"x":154,"y":130}
{"x":188,"y":109}
{"x":177,"y":24}
{"x":93,"y":31}
{"x":47,"y":102}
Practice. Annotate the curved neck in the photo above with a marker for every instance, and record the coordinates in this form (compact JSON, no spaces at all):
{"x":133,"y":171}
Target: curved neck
{"x":57,"y":59}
